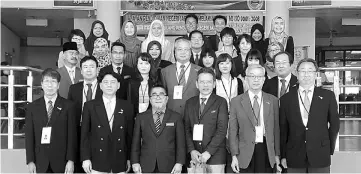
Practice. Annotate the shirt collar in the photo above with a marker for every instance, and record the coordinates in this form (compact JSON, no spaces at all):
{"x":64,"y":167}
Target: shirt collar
{"x":163,"y":110}
{"x":107,"y":100}
{"x":115,"y":66}
{"x":52,"y":100}
{"x":251,"y":95}
{"x":199,"y":54}
{"x":94,"y":82}
{"x":310,"y":89}
{"x":68,"y":68}
{"x":288,"y":78}
{"x":204,"y":96}
{"x":185,"y":65}
{"x":233,"y":48}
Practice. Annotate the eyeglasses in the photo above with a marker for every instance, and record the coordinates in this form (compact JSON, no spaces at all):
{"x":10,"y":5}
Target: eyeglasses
{"x":227,"y":37}
{"x":256,"y":77}
{"x":117,"y":53}
{"x":160,"y":95}
{"x":281,"y":63}
{"x":306,"y":72}
{"x":77,"y":39}
{"x":205,"y":83}
{"x":182,"y":50}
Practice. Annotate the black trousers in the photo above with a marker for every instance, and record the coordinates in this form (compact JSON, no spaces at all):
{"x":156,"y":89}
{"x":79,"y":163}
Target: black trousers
{"x":49,"y":170}
{"x":309,"y":170}
{"x":260,"y":161}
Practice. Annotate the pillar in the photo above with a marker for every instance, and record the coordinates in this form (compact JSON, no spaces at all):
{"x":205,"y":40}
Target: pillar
{"x":277,"y":8}
{"x":108,"y":12}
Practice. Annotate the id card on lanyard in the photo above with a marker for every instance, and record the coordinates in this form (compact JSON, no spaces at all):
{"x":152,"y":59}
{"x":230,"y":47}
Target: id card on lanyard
{"x":178,"y":89}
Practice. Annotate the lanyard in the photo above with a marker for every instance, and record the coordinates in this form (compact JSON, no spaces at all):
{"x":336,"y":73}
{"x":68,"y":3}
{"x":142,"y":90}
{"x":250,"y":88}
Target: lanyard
{"x":176,"y":71}
{"x":230,"y":91}
{"x":259,"y":111}
{"x":143,"y":92}
{"x":303,"y":104}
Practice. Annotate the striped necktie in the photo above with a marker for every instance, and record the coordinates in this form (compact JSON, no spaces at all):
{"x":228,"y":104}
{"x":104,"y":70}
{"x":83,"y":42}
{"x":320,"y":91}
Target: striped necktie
{"x":50,"y":109}
{"x":158,"y":122}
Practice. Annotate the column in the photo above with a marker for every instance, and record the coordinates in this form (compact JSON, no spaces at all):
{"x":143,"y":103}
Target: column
{"x":108,"y":12}
{"x":277,"y":8}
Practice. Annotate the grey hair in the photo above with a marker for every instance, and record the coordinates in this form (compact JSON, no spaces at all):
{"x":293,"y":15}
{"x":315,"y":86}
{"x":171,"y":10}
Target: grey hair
{"x":181,"y":40}
{"x":251,"y":67}
{"x":307,"y":60}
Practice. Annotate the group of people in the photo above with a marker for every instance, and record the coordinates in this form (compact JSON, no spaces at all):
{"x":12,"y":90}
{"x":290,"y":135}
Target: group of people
{"x":209,"y":103}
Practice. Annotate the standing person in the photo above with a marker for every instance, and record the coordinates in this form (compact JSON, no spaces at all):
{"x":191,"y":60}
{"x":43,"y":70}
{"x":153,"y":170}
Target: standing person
{"x":128,"y":36}
{"x":219,"y":22}
{"x":51,"y":138}
{"x":70,"y":74}
{"x":244,"y":45}
{"x":78,"y":37}
{"x":156,"y":33}
{"x":158,"y":140}
{"x":254,"y":133}
{"x":101,"y":52}
{"x":278,"y":34}
{"x":272,"y":50}
{"x":191,"y":24}
{"x":82,"y":92}
{"x":228,"y":40}
{"x":155,"y":50}
{"x":258,"y":42}
{"x":285,"y":80}
{"x":117,"y":66}
{"x":106,"y":130}
{"x":139,"y":86}
{"x":208,"y":59}
{"x":179,"y":77}
{"x":206,"y":123}
{"x":197,"y":46}
{"x":98,"y":30}
{"x":309,"y":124}
{"x":254,"y":57}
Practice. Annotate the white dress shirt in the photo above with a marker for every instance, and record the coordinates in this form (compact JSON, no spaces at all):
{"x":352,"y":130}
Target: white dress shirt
{"x":85,"y":90}
{"x":301,"y":94}
{"x":112,"y":107}
{"x":288,"y":79}
{"x":52,"y":100}
{"x":226,"y":91}
{"x":259,"y":100}
{"x":204,"y":96}
{"x":71,"y":72}
{"x":115,"y":68}
{"x":186,"y":69}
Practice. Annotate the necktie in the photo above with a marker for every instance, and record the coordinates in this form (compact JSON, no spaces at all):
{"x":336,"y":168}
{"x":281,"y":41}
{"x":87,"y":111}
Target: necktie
{"x":181,"y":76}
{"x":158,"y":122}
{"x":307,"y":104}
{"x":109,"y":114}
{"x":256,"y":109}
{"x":118,"y":69}
{"x":283,"y":87}
{"x":50,"y":109}
{"x":89,"y":94}
{"x":203,"y":104}
{"x":197,"y":58}
{"x":71,"y":73}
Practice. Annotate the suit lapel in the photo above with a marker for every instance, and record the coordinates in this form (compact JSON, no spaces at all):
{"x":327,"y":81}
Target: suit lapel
{"x":151,"y":122}
{"x":296,"y":105}
{"x":58,"y":106}
{"x":78,"y":75}
{"x":246,"y":103}
{"x":293,"y":81}
{"x":79,"y":92}
{"x":173,"y":75}
{"x":192,"y":77}
{"x":102,"y":114}
{"x":99,"y":92}
{"x":164,"y":122}
{"x":316,"y":101}
{"x":209,"y":103}
{"x":266,"y":107}
{"x":42,"y":108}
{"x":118,"y":116}
{"x":67,"y":76}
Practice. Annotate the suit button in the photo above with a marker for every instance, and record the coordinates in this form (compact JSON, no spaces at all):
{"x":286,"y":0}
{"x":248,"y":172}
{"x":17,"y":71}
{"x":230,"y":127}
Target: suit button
{"x":101,"y":139}
{"x":100,"y":150}
{"x":305,"y":141}
{"x":120,"y":150}
{"x":119,"y":139}
{"x":121,"y":127}
{"x":306,"y":128}
{"x":99,"y":126}
{"x":200,"y":143}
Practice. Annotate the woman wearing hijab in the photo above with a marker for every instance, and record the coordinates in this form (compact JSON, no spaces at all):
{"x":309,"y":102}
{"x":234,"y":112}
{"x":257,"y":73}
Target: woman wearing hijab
{"x":128,"y":36}
{"x":257,"y":33}
{"x":102,"y":52}
{"x":278,"y":34}
{"x":97,"y":30}
{"x":155,"y":50}
{"x":156,"y":33}
{"x":78,"y":37}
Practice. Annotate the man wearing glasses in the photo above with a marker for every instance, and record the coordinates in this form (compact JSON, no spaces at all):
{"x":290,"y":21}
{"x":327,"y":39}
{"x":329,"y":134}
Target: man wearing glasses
{"x":254,"y":133}
{"x":309,"y":124}
{"x":158,"y":140}
{"x":123,"y":71}
{"x":285,"y":80}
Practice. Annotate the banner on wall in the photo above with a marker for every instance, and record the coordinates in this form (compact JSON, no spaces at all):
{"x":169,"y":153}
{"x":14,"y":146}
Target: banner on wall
{"x":74,"y":3}
{"x":206,"y":5}
{"x":300,"y":52}
{"x":301,"y":3}
{"x":174,"y":23}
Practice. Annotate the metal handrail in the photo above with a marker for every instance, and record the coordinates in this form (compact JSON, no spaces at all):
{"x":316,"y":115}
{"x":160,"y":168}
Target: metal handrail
{"x":21,"y":68}
{"x":347,"y":68}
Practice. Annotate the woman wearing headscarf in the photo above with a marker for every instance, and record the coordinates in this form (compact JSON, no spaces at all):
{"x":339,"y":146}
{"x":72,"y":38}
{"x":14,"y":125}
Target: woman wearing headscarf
{"x":156,"y":32}
{"x":102,"y":52}
{"x":78,"y":37}
{"x":278,"y":34}
{"x":155,"y":51}
{"x":257,"y":33}
{"x":128,"y":36}
{"x":98,"y":30}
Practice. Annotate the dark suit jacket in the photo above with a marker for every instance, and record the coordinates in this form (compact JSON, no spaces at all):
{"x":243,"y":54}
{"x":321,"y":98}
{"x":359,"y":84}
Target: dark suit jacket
{"x":63,"y":142}
{"x":215,"y":123}
{"x":125,"y":76}
{"x":311,"y":145}
{"x":242,"y":128}
{"x":169,"y":79}
{"x":133,"y":93}
{"x":65,"y":80}
{"x":164,"y":149}
{"x":193,"y":58}
{"x":239,"y":65}
{"x":76,"y":92}
{"x":107,"y":150}
{"x":289,"y":48}
{"x":158,"y":74}
{"x":271,"y":86}
{"x":213,"y":42}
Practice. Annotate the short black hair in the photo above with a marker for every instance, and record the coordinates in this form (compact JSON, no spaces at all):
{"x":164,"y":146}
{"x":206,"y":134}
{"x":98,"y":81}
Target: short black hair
{"x":222,"y":58}
{"x":290,"y":57}
{"x":229,"y":31}
{"x":104,"y":73}
{"x":219,"y":17}
{"x":192,"y":15}
{"x":86,"y":58}
{"x":195,"y":31}
{"x":117,"y":43}
{"x":206,"y":71}
{"x":50,"y":72}
{"x":148,"y":58}
{"x":76,"y":32}
{"x":208,"y":52}
{"x":157,"y":86}
{"x":307,"y":60}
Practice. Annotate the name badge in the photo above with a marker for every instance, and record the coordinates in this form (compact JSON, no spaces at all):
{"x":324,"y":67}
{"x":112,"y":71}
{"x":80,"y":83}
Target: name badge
{"x":259,"y":134}
{"x":198,"y":132}
{"x":169,"y":124}
{"x":178,"y":92}
{"x":46,"y":135}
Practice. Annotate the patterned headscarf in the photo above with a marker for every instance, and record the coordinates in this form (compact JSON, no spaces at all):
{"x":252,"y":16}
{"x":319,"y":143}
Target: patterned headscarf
{"x":89,"y":43}
{"x":273,"y":37}
{"x":103,"y":60}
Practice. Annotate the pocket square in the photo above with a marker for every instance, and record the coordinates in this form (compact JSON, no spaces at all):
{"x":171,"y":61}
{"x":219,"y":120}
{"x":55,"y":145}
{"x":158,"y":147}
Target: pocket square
{"x":213,"y":111}
{"x":320,"y":97}
{"x":169,"y":124}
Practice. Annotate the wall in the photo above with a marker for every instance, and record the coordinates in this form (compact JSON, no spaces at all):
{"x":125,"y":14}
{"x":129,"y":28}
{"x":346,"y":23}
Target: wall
{"x":46,"y":57}
{"x":10,"y":41}
{"x":339,"y":41}
{"x":303,"y":31}
{"x":84,"y":24}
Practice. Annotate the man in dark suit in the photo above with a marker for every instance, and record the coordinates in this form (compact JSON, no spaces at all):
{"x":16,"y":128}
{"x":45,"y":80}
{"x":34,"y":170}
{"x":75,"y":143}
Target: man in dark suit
{"x":219,"y":23}
{"x":206,"y":123}
{"x":285,"y":80}
{"x":158,"y":140}
{"x":124,"y":72}
{"x":191,"y":24}
{"x":178,"y":78}
{"x":51,"y":138}
{"x":254,"y":133}
{"x":309,"y":124}
{"x":70,"y":74}
{"x":197,"y":46}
